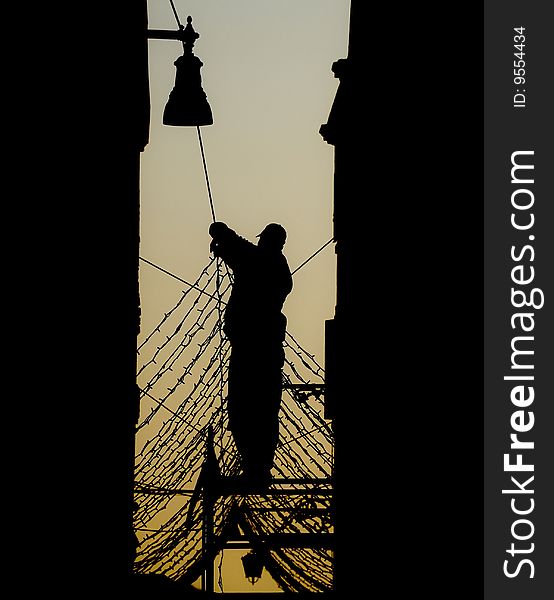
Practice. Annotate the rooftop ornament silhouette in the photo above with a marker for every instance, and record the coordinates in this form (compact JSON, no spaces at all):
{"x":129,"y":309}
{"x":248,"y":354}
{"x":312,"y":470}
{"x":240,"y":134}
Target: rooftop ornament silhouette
{"x":187,"y":105}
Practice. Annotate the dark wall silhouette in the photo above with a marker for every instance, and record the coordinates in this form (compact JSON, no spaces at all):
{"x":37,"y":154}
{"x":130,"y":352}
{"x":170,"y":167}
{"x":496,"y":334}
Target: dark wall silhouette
{"x":344,"y":363}
{"x":80,"y":121}
{"x":407,"y":230}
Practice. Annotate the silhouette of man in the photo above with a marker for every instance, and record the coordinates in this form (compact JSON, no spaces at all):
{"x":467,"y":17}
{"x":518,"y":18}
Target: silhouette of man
{"x":255,"y":327}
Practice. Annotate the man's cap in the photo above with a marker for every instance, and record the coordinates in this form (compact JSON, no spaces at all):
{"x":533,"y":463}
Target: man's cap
{"x":275,"y":232}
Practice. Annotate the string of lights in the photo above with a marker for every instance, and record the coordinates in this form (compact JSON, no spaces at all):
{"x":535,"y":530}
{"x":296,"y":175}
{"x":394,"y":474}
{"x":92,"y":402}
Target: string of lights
{"x":183,"y":371}
{"x":186,"y":292}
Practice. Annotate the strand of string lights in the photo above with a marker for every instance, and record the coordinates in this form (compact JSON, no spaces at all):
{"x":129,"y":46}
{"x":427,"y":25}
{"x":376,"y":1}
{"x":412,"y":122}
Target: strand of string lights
{"x":205,"y":312}
{"x":187,"y":366}
{"x":190,"y":286}
{"x":172,"y":456}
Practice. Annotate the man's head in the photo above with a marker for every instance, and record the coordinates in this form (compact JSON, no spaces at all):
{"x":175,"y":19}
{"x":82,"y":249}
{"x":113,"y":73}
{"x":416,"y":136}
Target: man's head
{"x":273,"y":236}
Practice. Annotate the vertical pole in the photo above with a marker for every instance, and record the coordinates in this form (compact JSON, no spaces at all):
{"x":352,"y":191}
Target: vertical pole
{"x":208,"y":576}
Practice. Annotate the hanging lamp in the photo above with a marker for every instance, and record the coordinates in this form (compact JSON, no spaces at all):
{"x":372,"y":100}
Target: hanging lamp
{"x":187,"y":104}
{"x":253,"y":566}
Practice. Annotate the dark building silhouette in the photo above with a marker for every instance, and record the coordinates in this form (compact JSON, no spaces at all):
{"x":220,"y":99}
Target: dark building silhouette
{"x":82,"y":121}
{"x":344,"y":334}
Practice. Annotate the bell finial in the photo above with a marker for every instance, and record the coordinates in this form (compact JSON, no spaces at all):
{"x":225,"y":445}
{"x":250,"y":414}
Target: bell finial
{"x":189,"y":36}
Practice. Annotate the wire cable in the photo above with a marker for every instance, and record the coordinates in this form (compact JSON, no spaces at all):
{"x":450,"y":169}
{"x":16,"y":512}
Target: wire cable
{"x":175,"y":14}
{"x":312,"y":256}
{"x":206,"y":174}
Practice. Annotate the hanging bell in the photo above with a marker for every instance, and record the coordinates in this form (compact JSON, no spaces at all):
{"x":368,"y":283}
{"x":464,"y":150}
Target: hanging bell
{"x":187,"y":104}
